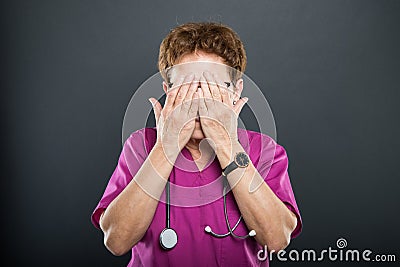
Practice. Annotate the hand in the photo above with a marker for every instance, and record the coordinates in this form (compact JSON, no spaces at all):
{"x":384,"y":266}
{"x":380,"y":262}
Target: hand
{"x":218,"y":115}
{"x":176,"y":120}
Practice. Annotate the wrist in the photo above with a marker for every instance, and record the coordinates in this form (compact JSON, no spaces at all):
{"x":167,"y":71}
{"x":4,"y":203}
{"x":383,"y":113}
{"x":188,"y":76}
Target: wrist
{"x":226,"y":153}
{"x":168,"y":152}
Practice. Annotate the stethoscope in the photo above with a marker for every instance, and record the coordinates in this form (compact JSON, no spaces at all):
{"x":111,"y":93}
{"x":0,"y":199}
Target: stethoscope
{"x":169,"y":237}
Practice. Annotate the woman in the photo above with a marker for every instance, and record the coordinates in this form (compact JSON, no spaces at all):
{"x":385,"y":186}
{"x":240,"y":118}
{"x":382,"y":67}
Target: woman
{"x":198,"y":107}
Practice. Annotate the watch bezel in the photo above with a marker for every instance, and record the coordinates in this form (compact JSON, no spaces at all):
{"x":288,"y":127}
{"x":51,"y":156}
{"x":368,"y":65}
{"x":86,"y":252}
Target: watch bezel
{"x":237,"y":156}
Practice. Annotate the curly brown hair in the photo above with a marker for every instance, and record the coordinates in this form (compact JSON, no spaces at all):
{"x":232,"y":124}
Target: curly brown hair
{"x":209,"y":37}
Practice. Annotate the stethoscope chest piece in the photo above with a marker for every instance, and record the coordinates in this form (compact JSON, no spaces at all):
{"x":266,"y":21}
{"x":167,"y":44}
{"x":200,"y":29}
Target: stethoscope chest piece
{"x":168,"y":238}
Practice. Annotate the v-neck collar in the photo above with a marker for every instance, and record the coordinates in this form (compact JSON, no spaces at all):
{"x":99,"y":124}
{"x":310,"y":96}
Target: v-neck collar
{"x":193,"y":166}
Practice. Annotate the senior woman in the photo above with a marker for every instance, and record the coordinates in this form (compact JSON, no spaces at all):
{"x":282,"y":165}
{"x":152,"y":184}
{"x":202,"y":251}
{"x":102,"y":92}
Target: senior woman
{"x":197,"y":125}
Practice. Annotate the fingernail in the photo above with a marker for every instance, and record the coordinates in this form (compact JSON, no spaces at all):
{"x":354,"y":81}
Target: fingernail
{"x":246,"y":99}
{"x":151,"y":102}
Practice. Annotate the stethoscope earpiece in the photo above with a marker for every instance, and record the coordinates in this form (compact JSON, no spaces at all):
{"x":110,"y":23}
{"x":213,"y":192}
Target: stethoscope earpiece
{"x":208,"y":229}
{"x":252,"y":233}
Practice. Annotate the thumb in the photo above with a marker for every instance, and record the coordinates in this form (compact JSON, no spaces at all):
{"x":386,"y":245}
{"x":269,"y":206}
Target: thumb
{"x":156,"y":108}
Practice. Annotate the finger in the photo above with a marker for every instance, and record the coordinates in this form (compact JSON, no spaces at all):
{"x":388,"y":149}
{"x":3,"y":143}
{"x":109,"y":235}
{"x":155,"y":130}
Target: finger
{"x":223,"y":90}
{"x":189,"y":95}
{"x":231,"y":92}
{"x":212,"y":84}
{"x":180,"y":96}
{"x":156,"y":108}
{"x":240,"y":104}
{"x":230,"y":97}
{"x":202,"y":103}
{"x":194,"y":107}
{"x":225,"y":96}
{"x":205,"y":89}
{"x":171,"y":95}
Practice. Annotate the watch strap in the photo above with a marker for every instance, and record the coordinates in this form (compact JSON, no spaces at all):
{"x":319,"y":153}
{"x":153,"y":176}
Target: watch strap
{"x":228,"y":169}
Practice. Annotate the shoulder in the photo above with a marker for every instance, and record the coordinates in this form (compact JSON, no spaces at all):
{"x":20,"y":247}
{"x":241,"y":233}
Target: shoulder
{"x":254,"y":136}
{"x":259,"y":145}
{"x":142,"y":138}
{"x":147,"y":132}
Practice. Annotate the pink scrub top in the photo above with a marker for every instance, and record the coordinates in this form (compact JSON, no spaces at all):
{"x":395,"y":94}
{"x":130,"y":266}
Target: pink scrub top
{"x":195,"y":247}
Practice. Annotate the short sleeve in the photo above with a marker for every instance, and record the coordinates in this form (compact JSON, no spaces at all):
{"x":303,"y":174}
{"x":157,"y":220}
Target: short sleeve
{"x":133,"y":154}
{"x":277,"y":177}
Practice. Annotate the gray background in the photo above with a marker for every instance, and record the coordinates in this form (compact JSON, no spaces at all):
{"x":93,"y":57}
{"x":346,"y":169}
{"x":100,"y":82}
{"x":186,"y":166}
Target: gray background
{"x":330,"y":70}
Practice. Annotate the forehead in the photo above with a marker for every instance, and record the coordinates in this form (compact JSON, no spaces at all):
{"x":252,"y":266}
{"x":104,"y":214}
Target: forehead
{"x":197,"y":68}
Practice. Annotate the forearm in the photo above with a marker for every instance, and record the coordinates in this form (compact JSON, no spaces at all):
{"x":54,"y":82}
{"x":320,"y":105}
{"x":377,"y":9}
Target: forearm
{"x":262,"y":210}
{"x":129,"y":215}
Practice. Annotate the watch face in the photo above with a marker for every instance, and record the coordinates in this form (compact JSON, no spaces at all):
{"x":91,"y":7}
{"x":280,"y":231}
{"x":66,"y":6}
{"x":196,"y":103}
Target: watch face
{"x":242,"y":160}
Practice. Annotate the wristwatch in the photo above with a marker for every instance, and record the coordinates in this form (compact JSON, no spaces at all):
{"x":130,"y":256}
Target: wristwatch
{"x":241,"y":160}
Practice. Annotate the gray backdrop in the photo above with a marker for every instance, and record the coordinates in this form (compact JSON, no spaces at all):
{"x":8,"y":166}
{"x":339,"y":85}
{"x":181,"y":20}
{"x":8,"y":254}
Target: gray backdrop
{"x":330,"y":70}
